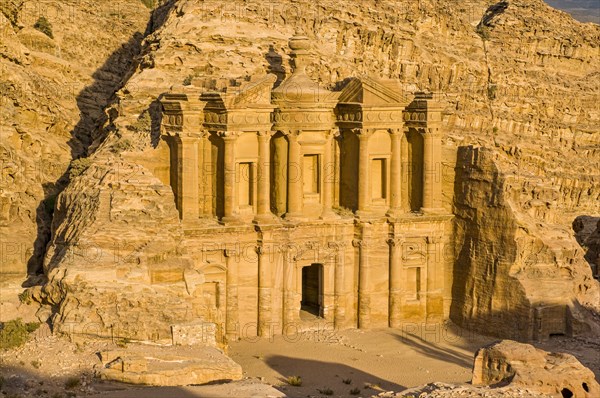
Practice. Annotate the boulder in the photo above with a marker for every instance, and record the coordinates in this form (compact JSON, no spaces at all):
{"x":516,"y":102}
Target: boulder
{"x":522,"y":365}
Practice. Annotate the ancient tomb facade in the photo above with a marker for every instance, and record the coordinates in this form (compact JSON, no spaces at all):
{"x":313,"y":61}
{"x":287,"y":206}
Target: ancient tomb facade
{"x":298,"y":201}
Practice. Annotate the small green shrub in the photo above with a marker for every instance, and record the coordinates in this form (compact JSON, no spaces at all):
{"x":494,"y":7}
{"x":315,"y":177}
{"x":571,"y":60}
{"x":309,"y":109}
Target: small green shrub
{"x":36,"y":364}
{"x":491,"y":91}
{"x":149,"y":3}
{"x":355,"y":391}
{"x":295,"y":381}
{"x":495,"y":130}
{"x":15,"y":333}
{"x":143,"y":123}
{"x":122,"y":145}
{"x":188,"y":80}
{"x":44,"y":26}
{"x":483,"y":31}
{"x":24,"y":297}
{"x":79,"y":166}
{"x":347,"y":381}
{"x":72,"y":382}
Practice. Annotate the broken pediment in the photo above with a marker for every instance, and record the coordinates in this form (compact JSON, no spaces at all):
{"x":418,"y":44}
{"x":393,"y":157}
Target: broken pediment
{"x":372,"y":92}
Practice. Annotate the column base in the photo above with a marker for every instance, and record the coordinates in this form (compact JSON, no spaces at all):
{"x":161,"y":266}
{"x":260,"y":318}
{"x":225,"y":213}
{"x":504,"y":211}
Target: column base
{"x":394,"y":213}
{"x":363,"y":214}
{"x":433,"y":210}
{"x":294,"y":217}
{"x":266,"y":219}
{"x":230,"y":220}
{"x":329,"y":214}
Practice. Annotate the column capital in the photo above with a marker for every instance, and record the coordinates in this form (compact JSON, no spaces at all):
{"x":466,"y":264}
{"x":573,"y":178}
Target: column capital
{"x":188,"y":136}
{"x":396,"y":131}
{"x":291,"y":132}
{"x":264,"y":133}
{"x":361,"y":243}
{"x":430,"y":130}
{"x":333,"y":133}
{"x":229,"y":252}
{"x":363,"y":133}
{"x":336,"y":245}
{"x":228,"y":135}
{"x":396,"y":241}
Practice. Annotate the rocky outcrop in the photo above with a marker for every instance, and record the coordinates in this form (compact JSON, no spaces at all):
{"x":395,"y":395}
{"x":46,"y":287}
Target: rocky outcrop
{"x":168,"y":366}
{"x":522,"y":365}
{"x":505,"y":255}
{"x":116,"y":257}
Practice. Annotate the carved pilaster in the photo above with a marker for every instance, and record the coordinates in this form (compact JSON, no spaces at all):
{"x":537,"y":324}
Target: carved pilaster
{"x":229,"y":138}
{"x":295,"y":194}
{"x":263,"y":208}
{"x":395,"y":281}
{"x":364,"y":191}
{"x":232,"y":313}
{"x":364,"y":297}
{"x":265,"y":286}
{"x":396,"y":173}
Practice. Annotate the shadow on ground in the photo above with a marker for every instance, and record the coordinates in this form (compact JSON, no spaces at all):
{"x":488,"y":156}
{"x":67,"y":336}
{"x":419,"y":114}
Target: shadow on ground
{"x":319,"y":375}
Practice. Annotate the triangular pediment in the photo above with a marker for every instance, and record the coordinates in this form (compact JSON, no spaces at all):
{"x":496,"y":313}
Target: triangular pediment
{"x":368,"y":91}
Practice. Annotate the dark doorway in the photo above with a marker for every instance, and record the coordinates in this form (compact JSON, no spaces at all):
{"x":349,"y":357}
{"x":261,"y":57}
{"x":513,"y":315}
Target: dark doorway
{"x":312,"y":289}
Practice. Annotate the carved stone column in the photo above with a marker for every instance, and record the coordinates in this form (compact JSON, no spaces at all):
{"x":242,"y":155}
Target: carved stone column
{"x":364,"y":192}
{"x":232,"y":314}
{"x":435,"y":272}
{"x":339,"y":292}
{"x":295,"y":195}
{"x":263,"y":208}
{"x":406,"y":175}
{"x":229,"y":139}
{"x":395,"y":282}
{"x":207,"y":171}
{"x":187,"y":176}
{"x":289,"y":294}
{"x":396,"y":173}
{"x":265,"y":286}
{"x":328,"y":178}
{"x":432,"y":181}
{"x":364,"y":297}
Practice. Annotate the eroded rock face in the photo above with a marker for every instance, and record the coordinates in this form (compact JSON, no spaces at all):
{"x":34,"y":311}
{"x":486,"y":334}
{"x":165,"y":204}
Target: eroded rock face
{"x":505,"y":256}
{"x":116,"y":257}
{"x":523,"y":365}
{"x":53,"y":91}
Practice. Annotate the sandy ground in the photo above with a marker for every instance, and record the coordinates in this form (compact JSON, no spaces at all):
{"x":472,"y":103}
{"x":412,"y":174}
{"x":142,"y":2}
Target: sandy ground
{"x":371,"y":361}
{"x":333,"y":362}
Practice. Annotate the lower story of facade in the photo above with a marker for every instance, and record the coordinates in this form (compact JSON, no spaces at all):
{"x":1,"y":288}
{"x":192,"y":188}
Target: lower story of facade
{"x":260,"y":280}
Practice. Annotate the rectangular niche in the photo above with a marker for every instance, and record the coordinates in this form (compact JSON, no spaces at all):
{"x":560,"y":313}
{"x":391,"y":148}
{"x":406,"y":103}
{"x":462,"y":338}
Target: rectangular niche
{"x":379,"y":179}
{"x":246,"y":177}
{"x":311,"y":173}
{"x":413,"y":282}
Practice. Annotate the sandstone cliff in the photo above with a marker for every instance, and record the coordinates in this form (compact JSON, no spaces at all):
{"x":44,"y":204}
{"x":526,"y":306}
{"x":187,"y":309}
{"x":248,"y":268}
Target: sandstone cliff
{"x":519,"y":81}
{"x":53,"y":91}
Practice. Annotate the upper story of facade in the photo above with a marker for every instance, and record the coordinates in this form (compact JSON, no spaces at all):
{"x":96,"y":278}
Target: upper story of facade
{"x":261,"y":151}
